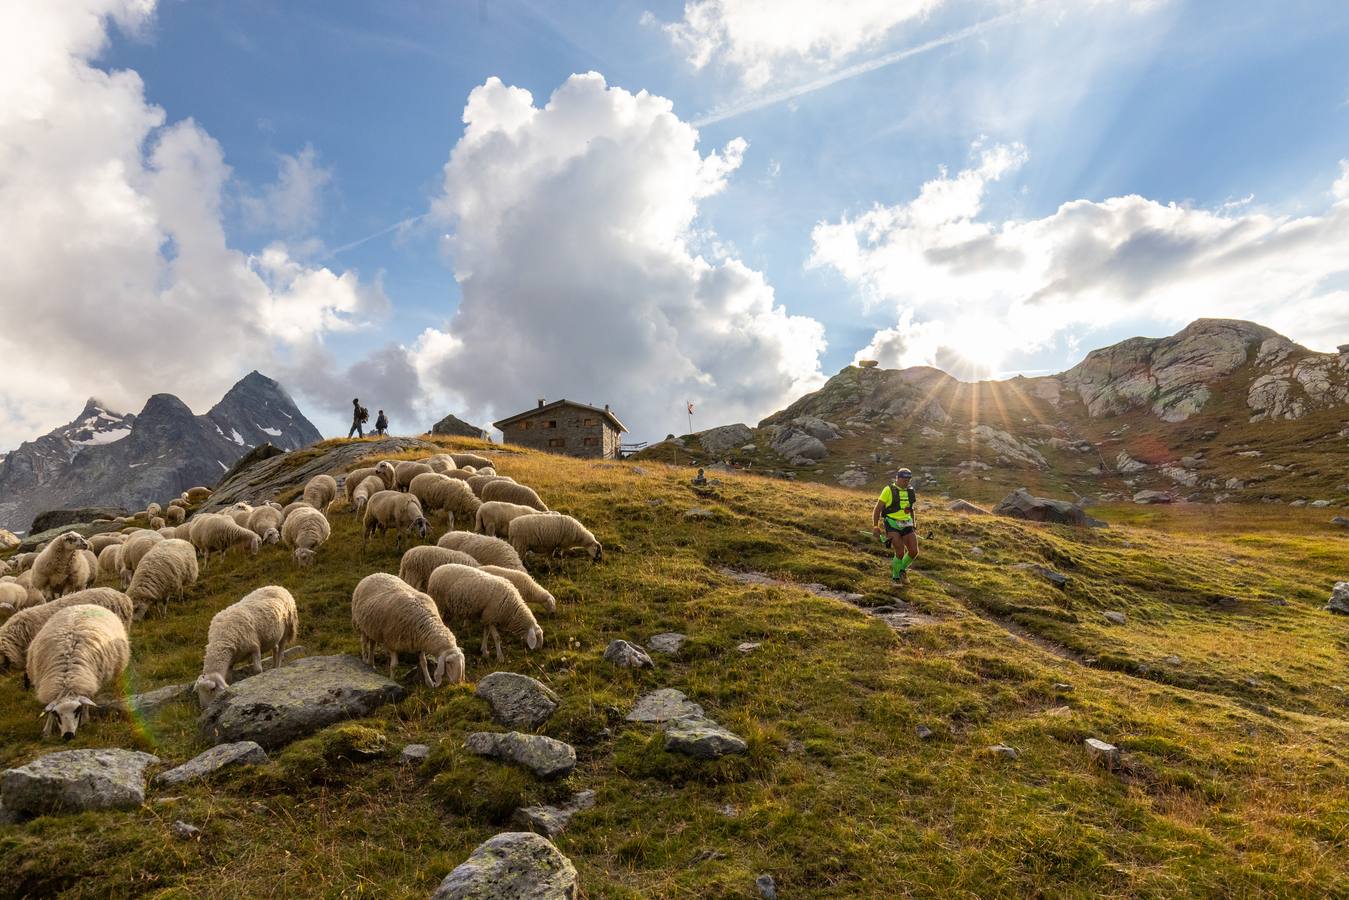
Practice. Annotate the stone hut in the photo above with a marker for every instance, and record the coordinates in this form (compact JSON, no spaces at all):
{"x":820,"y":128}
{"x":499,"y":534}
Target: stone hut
{"x":564,"y":426}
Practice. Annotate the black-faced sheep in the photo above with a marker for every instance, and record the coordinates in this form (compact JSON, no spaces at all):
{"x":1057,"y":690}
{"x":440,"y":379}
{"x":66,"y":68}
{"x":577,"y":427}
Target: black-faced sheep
{"x":266,"y":619}
{"x":470,"y":595}
{"x":79,"y":651}
{"x":488,"y":551}
{"x":304,"y":531}
{"x":388,"y":613}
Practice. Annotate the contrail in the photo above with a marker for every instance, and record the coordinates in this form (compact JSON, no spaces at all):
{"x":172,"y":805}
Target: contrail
{"x":871,"y":65}
{"x":370,"y":237}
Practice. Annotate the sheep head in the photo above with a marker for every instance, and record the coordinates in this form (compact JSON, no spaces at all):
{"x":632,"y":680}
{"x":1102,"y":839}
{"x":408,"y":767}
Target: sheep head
{"x":384,"y":469}
{"x":271,"y":536}
{"x":597,"y":552}
{"x":73,"y":541}
{"x":534,"y":637}
{"x":304,"y":557}
{"x":208,"y":687}
{"x":67,"y":714}
{"x":254,"y":542}
{"x":449,"y":664}
{"x":421,"y":527}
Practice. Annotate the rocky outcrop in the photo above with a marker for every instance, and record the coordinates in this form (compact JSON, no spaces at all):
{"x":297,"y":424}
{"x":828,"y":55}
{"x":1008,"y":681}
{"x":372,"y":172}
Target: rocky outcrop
{"x":1004,"y":447}
{"x":57,"y":518}
{"x":453,"y":426}
{"x":717,"y":441}
{"x":76,"y":780}
{"x":1021,"y":505}
{"x":514,"y":864}
{"x":626,"y":655}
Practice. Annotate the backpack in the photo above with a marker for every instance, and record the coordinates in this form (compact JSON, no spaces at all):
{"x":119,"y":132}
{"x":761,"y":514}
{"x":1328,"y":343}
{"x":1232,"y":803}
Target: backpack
{"x":363,"y":414}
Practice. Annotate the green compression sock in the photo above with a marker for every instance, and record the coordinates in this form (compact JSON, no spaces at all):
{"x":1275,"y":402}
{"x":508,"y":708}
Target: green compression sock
{"x":905,"y":562}
{"x":895,"y":568}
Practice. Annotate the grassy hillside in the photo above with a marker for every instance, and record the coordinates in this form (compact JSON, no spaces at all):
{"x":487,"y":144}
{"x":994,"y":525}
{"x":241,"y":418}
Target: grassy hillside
{"x":1232,"y":714}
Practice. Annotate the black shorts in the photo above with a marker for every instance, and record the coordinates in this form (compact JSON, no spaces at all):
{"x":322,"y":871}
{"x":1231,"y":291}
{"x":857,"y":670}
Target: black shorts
{"x":906,"y":530}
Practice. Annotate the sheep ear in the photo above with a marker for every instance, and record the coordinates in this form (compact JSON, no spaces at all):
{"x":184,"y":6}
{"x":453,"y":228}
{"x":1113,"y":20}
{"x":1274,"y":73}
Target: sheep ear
{"x":51,"y":707}
{"x":534,"y":638}
{"x":85,"y":701}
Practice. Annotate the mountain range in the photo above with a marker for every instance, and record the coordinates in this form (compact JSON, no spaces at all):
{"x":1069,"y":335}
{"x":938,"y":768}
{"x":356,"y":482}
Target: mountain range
{"x":106,"y":458}
{"x":1222,"y":411}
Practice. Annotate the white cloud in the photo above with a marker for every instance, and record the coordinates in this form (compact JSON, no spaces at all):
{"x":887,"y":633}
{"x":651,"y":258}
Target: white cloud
{"x":115,"y":273}
{"x":1340,"y":189}
{"x":292,"y":203}
{"x":573,"y":244}
{"x":967,"y":292}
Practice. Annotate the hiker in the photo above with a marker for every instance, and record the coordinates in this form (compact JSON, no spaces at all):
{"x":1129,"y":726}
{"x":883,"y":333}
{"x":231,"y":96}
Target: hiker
{"x":381,"y":423}
{"x":895,"y":507}
{"x":359,"y":416}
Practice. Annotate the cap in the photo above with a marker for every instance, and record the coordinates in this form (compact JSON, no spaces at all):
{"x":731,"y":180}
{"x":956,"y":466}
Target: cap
{"x":903,"y":473}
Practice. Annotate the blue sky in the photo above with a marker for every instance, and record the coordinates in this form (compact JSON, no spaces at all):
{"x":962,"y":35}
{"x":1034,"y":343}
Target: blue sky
{"x":1237,"y":113}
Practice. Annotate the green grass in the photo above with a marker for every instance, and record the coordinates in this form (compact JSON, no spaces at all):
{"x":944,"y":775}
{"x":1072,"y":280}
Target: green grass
{"x":1235,"y":780}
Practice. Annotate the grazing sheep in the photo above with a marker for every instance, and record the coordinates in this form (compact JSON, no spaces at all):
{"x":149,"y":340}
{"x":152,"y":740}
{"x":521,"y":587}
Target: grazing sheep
{"x":168,"y":531}
{"x":488,"y":551}
{"x":175,"y":515}
{"x":220,"y":534}
{"x":110,"y":560}
{"x":32,"y":596}
{"x":369,"y":486}
{"x":470,"y":459}
{"x":91,"y":561}
{"x":320,"y":491}
{"x":18,"y":632}
{"x":99,"y":541}
{"x":459,"y":474}
{"x":197,"y":494}
{"x":152,"y":510}
{"x":353,"y":480}
{"x":61,"y":568}
{"x":510,"y":492}
{"x":385,"y":470}
{"x":183,"y":532}
{"x":265,"y":522}
{"x":408,"y":469}
{"x":165,"y":572}
{"x":291,"y":507}
{"x":178,"y":502}
{"x":478,"y":482}
{"x":304,"y":531}
{"x":134,"y":548}
{"x":266,"y":619}
{"x":240,"y":512}
{"x":494,"y":517}
{"x":157,"y":523}
{"x":387,"y":613}
{"x":14,"y":596}
{"x":401,"y":512}
{"x":441,"y":463}
{"x":468,"y":594}
{"x":486,"y":470}
{"x":419,"y":562}
{"x":552,"y":534}
{"x":80,"y":650}
{"x":533,"y":592}
{"x":435,"y":491}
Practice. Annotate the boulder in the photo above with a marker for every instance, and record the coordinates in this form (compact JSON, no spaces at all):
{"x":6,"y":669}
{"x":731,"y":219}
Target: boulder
{"x":8,"y":539}
{"x":667,"y":642}
{"x":1148,"y":497}
{"x":552,"y":820}
{"x":1339,"y":598}
{"x":414,"y":754}
{"x":768,"y":888}
{"x":1127,"y":465}
{"x":513,"y":864}
{"x":296,"y":700}
{"x":240,"y":753}
{"x":518,"y":701}
{"x":662,"y":705}
{"x":35,"y":539}
{"x":1021,"y":505}
{"x":965,"y":506}
{"x":1102,"y":752}
{"x":454,"y":426}
{"x":853,"y":478}
{"x":793,"y":445}
{"x":57,"y":518}
{"x":1002,"y":751}
{"x":1341,"y":521}
{"x":544,"y":756}
{"x":701,"y":737}
{"x":717,"y":441}
{"x":151,"y":702}
{"x":185,"y":831}
{"x":76,"y":780}
{"x":626,"y":655}
{"x":1115,"y":617}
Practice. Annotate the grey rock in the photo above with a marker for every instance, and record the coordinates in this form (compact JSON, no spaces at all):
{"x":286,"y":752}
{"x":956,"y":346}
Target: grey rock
{"x":1146,"y":497}
{"x":1100,"y":750}
{"x":151,"y":702}
{"x":76,"y":780}
{"x":749,"y":646}
{"x":724,"y":437}
{"x":552,"y":820}
{"x":700,"y":737}
{"x":1319,"y":504}
{"x":513,"y":864}
{"x":923,"y":732}
{"x":965,"y":506}
{"x":518,"y":701}
{"x":667,"y":642}
{"x":1055,"y":578}
{"x":1127,"y":465}
{"x":35,"y":539}
{"x":853,"y":478}
{"x":296,"y":700}
{"x":455,"y":426}
{"x":1115,"y":617}
{"x":1002,"y":751}
{"x":626,"y":655}
{"x":792,"y":444}
{"x":240,"y":753}
{"x":768,"y":888}
{"x":1062,"y":686}
{"x":699,"y":513}
{"x":54,"y":520}
{"x":544,"y":756}
{"x":1021,"y":505}
{"x":1172,"y":660}
{"x":414,"y":754}
{"x":1341,"y":521}
{"x":662,"y":705}
{"x":184,"y":830}
{"x":1339,"y":598}
{"x":729,"y":810}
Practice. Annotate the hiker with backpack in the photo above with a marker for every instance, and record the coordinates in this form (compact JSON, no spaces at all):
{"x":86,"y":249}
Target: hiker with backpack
{"x":895,"y":508}
{"x":359,"y":416}
{"x":381,"y":423}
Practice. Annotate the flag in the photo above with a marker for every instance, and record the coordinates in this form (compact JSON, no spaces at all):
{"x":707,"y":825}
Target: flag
{"x":690,"y":406}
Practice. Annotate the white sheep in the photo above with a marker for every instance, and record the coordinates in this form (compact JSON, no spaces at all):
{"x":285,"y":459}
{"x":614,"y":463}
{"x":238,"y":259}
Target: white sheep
{"x":32,"y":596}
{"x":152,"y":510}
{"x":440,"y":492}
{"x":212,"y":533}
{"x":18,"y":632}
{"x":419,"y":562}
{"x":487,"y":470}
{"x":265,"y":522}
{"x":164,"y":573}
{"x":488,"y":551}
{"x":470,"y":459}
{"x":388,"y":613}
{"x":99,"y":541}
{"x":441,"y":463}
{"x":197,"y":494}
{"x":14,"y":596}
{"x":494,"y":517}
{"x":353,"y":479}
{"x":320,"y":491}
{"x":385,"y":470}
{"x":168,"y":531}
{"x":240,"y":512}
{"x":179,"y":502}
{"x":534,"y":593}
{"x":408,"y":469}
{"x":134,"y":548}
{"x":459,"y":474}
{"x":551,"y":534}
{"x":467,"y":594}
{"x":369,"y":486}
{"x":61,"y":568}
{"x":478,"y":482}
{"x":80,"y":650}
{"x":392,"y":509}
{"x":91,"y":561}
{"x":21,"y":562}
{"x":304,"y":531}
{"x":510,"y":492}
{"x":175,"y":515}
{"x":157,"y":523}
{"x":266,"y":619}
{"x":110,"y":560}
{"x":183,"y":532}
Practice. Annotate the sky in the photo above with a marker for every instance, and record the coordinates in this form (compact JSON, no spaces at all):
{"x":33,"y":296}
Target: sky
{"x":467,"y":205}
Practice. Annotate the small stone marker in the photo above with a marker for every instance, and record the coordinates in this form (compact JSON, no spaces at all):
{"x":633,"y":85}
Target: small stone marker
{"x":511,"y":864}
{"x":544,"y":756}
{"x":626,"y":655}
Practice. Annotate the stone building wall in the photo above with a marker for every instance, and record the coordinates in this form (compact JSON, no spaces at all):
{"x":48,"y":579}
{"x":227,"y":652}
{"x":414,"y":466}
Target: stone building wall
{"x":569,"y":430}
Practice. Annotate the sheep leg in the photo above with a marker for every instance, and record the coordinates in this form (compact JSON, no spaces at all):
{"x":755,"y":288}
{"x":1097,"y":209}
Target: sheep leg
{"x":483,"y":646}
{"x":393,"y":662}
{"x":496,"y":636}
{"x":257,"y":660}
{"x":277,"y":653}
{"x":426,"y":675}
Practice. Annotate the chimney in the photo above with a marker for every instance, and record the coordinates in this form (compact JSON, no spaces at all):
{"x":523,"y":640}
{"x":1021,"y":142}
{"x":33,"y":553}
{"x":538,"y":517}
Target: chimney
{"x":540,"y":403}
{"x":606,"y":407}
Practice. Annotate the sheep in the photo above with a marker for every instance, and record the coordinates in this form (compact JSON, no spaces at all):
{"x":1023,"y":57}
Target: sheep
{"x":353,"y":480}
{"x":178,"y":502}
{"x":510,"y":492}
{"x":197,"y":494}
{"x":240,"y":512}
{"x":419,"y":562}
{"x":31,"y":595}
{"x":152,"y":510}
{"x":436,"y":491}
{"x":183,"y":532}
{"x":18,"y":632}
{"x":137,"y":544}
{"x":551,"y":534}
{"x":486,"y":470}
{"x":80,"y":650}
{"x":391,"y":509}
{"x":165,"y":572}
{"x":265,"y":522}
{"x":291,"y":507}
{"x":61,"y":568}
{"x":219,"y":534}
{"x":14,"y":596}
{"x":110,"y":560}
{"x":533,"y":592}
{"x":90,"y":561}
{"x":494,"y":517}
{"x":385,"y":470}
{"x":21,"y":562}
{"x":99,"y":541}
{"x":264,"y":619}
{"x":175,"y":515}
{"x":459,"y":474}
{"x":478,"y":482}
{"x":369,"y":486}
{"x":157,"y":523}
{"x":304,"y":531}
{"x":408,"y":469}
{"x":387,"y":612}
{"x":320,"y":491}
{"x":488,"y":551}
{"x":470,"y":459}
{"x":441,"y":463}
{"x":168,"y":532}
{"x":466,"y":594}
